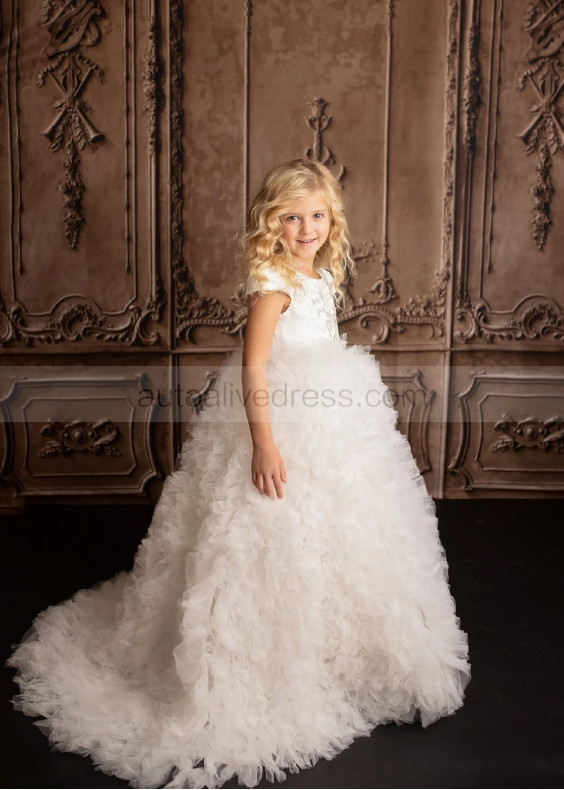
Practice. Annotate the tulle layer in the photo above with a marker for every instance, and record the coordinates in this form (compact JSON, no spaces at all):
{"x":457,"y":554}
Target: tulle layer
{"x":253,"y":634}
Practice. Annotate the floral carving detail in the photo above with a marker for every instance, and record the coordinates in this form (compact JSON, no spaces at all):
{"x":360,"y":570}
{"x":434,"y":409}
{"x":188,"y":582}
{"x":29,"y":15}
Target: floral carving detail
{"x":199,"y":398}
{"x":383,"y":287}
{"x":362,"y":309}
{"x":428,"y":308}
{"x":318,"y":121}
{"x":79,"y":436}
{"x":81,"y":320}
{"x":472,"y":87}
{"x":545,"y":133}
{"x":192,"y":310}
{"x":530,"y":433}
{"x":71,"y":25}
{"x":530,"y":320}
{"x":152,"y":85}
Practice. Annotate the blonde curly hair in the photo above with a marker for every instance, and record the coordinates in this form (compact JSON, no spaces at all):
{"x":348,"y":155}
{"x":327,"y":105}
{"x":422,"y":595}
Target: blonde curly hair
{"x":262,"y":245}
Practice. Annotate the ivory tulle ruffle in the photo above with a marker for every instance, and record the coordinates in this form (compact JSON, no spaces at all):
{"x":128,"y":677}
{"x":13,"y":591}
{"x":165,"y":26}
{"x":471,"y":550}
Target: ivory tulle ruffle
{"x":258,"y":634}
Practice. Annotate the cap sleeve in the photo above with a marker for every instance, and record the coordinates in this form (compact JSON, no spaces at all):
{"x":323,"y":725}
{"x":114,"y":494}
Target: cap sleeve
{"x":329,"y":279}
{"x":274,"y":282}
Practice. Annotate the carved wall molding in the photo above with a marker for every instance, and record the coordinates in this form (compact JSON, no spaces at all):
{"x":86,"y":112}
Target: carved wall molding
{"x":421,"y":309}
{"x":416,"y":421}
{"x":71,"y":26}
{"x":544,"y":134}
{"x":536,"y":316}
{"x":199,"y":398}
{"x":75,"y":318}
{"x":529,"y":433}
{"x":153,"y":78}
{"x":546,"y":433}
{"x":427,"y":309}
{"x":318,"y":122}
{"x":108,"y":411}
{"x":192,"y":310}
{"x":473,"y":81}
{"x":79,"y":436}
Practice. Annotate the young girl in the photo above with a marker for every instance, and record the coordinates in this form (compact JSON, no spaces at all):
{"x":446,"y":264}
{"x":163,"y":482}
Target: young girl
{"x":292,"y":591}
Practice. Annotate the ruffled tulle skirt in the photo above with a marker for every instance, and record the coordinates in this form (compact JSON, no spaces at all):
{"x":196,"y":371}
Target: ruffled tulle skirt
{"x":258,"y":634}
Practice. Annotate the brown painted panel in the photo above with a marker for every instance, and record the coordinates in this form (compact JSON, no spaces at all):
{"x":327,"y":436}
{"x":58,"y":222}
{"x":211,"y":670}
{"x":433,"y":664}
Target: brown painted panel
{"x":79,"y":176}
{"x":196,"y":376}
{"x":418,"y":384}
{"x":342,"y":85}
{"x":84,"y":429}
{"x":212,"y":166}
{"x":506,"y":424}
{"x":417,"y":144}
{"x":510,"y":285}
{"x":303,"y":51}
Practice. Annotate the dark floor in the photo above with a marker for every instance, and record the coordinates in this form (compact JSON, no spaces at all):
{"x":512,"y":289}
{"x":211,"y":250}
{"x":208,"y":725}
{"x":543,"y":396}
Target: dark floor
{"x":505,"y":560}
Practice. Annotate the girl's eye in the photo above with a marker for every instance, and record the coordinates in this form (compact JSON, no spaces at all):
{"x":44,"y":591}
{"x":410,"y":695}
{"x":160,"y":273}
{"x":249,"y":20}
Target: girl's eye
{"x":319,"y":214}
{"x":291,"y":217}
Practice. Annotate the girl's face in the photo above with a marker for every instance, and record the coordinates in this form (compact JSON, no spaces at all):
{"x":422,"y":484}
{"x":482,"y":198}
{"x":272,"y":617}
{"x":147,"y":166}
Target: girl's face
{"x":305,"y":227}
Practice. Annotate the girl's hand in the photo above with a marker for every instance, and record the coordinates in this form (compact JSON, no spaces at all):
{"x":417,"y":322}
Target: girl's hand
{"x":267,"y":470}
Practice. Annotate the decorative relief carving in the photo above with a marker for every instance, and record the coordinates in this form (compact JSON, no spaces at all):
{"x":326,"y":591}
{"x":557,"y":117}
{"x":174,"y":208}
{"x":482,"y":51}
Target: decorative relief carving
{"x":424,"y":309}
{"x":153,"y":84}
{"x":193,"y":311}
{"x":71,"y":25}
{"x":472,"y":86}
{"x":472,"y":461}
{"x":383,"y":288}
{"x":248,"y":5}
{"x":75,"y":318}
{"x":78,"y":451}
{"x":530,"y":433}
{"x":533,"y":318}
{"x":544,"y":21}
{"x":198,"y":398}
{"x":79,"y":436}
{"x":81,"y":318}
{"x":318,"y":121}
{"x":409,"y":388}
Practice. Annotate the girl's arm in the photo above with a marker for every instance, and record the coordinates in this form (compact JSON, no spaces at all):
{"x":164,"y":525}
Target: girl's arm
{"x":267,"y":467}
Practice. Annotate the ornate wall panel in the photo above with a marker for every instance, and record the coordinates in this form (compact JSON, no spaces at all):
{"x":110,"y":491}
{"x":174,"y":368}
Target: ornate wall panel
{"x":208,"y":165}
{"x":90,"y":429}
{"x":417,"y":385}
{"x":132,"y":138}
{"x":196,"y":377}
{"x":370,"y":89}
{"x":507,"y":424}
{"x":79,"y":233}
{"x":510,"y":289}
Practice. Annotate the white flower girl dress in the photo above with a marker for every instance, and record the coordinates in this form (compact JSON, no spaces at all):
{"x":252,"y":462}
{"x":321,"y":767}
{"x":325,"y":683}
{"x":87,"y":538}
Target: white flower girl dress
{"x":255,"y":633}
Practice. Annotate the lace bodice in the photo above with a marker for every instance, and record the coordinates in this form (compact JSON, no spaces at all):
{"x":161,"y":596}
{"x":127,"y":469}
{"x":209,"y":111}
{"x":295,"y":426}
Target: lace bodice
{"x":311,"y":316}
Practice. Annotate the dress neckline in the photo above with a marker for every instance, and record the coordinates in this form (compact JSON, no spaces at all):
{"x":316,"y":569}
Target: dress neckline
{"x":308,"y":277}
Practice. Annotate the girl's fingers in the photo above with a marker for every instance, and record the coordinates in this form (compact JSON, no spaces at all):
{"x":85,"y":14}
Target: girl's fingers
{"x":269,"y":484}
{"x":278,"y":487}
